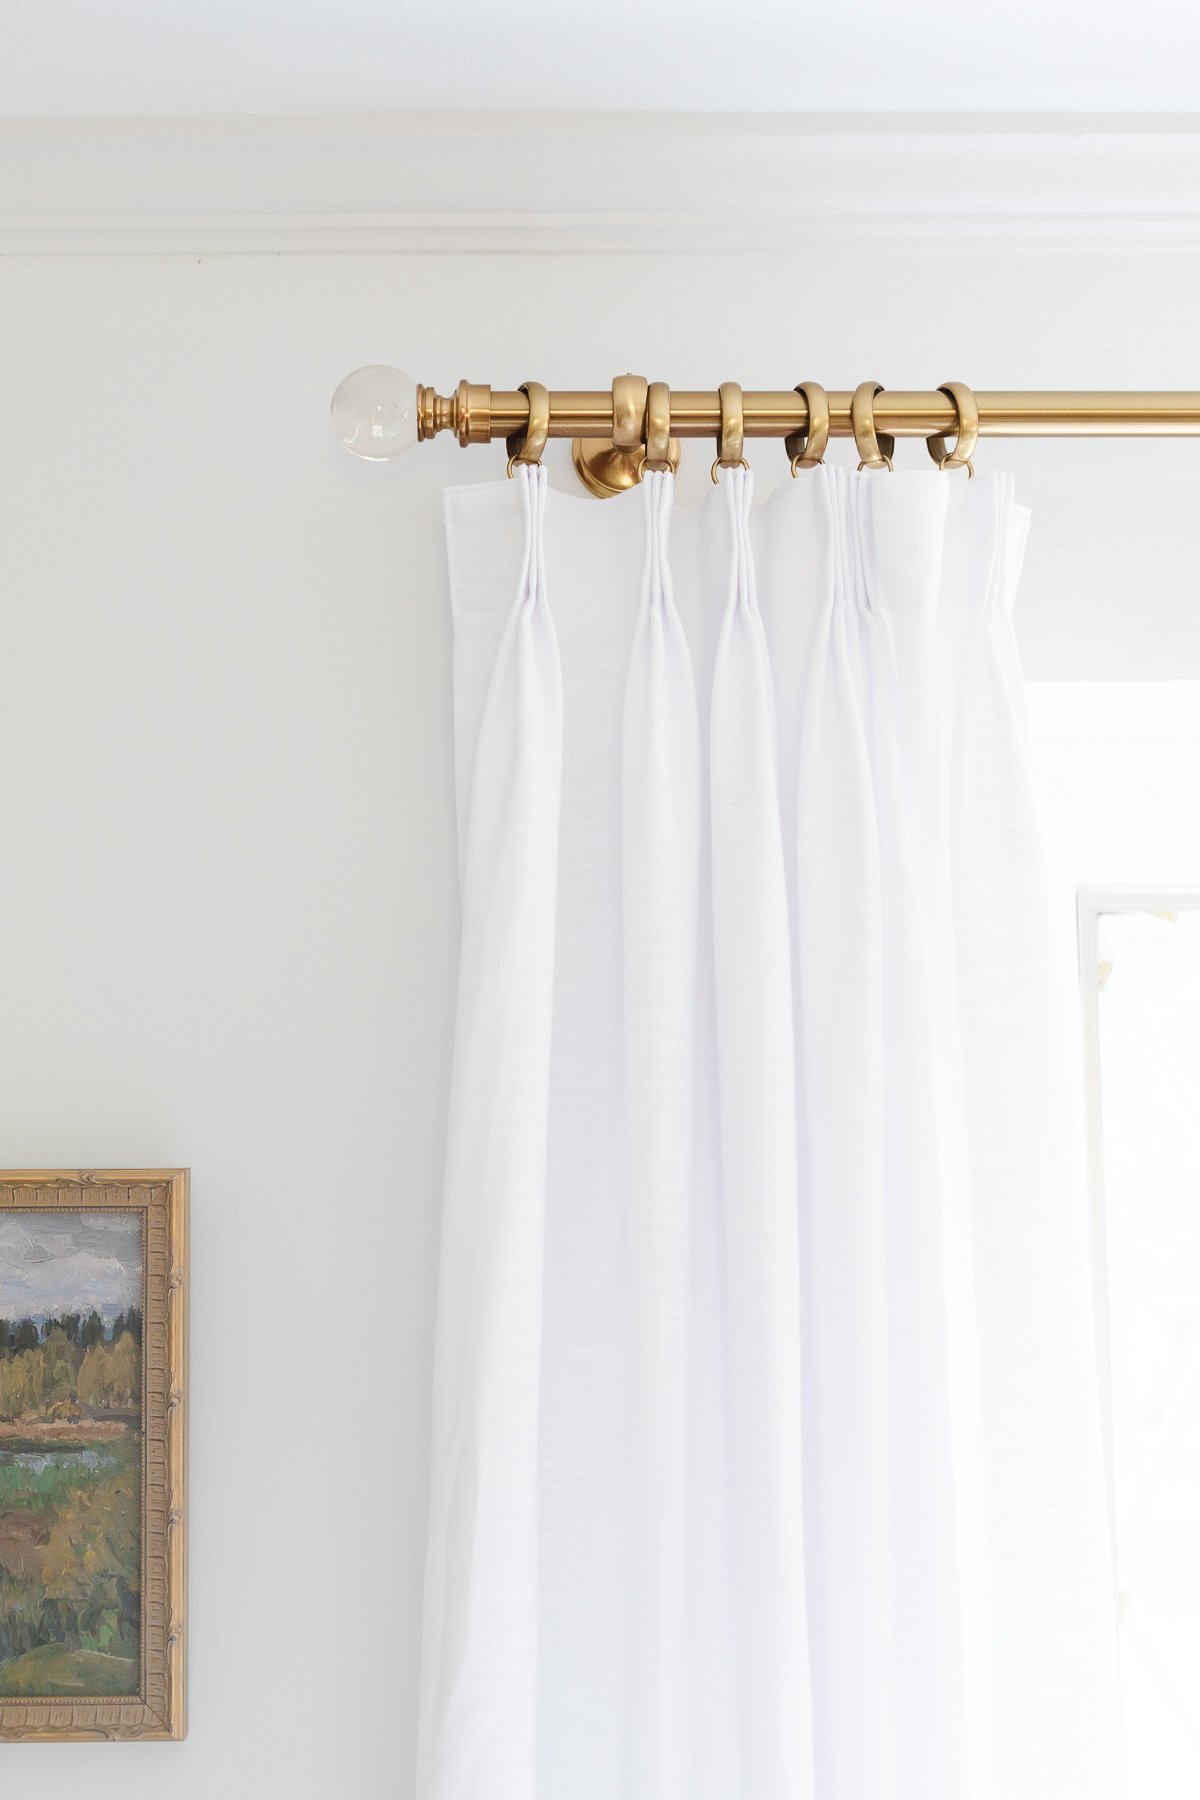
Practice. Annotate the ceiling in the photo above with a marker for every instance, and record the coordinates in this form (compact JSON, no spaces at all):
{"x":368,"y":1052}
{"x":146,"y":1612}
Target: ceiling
{"x":131,"y":57}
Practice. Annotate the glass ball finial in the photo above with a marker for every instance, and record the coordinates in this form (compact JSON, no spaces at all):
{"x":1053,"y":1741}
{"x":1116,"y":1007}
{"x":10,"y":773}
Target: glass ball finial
{"x":374,"y":412}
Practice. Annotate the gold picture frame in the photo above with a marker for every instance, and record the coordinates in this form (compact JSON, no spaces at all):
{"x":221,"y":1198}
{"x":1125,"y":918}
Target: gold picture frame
{"x":130,"y":1446}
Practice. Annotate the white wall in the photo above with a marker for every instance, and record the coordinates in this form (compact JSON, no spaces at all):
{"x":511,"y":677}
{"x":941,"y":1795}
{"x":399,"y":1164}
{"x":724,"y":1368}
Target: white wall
{"x":227,"y":901}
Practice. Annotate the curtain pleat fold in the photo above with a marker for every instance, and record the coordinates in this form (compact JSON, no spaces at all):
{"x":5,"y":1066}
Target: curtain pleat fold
{"x":479,"y":1720}
{"x":752,"y":956}
{"x":842,"y":1085}
{"x":660,"y":873}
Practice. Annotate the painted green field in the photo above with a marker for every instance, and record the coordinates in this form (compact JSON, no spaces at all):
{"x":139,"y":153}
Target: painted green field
{"x":69,"y":1568}
{"x":41,"y":1476}
{"x":70,"y":1452}
{"x":54,"y":1669}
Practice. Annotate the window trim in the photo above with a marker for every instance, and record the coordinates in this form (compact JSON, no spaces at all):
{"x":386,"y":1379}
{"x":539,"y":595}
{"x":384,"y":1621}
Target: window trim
{"x":1092,"y":902}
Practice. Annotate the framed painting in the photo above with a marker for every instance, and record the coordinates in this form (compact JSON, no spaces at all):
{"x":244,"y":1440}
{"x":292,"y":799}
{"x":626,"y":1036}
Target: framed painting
{"x":93,"y":1343}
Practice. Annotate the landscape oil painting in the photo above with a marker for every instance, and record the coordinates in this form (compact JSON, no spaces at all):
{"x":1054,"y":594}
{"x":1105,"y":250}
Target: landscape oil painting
{"x":70,"y":1452}
{"x":93,"y":1511}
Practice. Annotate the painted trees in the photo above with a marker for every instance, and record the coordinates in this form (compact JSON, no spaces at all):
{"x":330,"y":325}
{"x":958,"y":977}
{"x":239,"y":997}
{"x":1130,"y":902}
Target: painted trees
{"x":64,"y":1362}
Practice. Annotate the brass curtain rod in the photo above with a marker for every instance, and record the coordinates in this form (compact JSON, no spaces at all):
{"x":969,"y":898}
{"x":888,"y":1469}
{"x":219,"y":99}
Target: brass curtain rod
{"x":637,"y":425}
{"x":477,"y":414}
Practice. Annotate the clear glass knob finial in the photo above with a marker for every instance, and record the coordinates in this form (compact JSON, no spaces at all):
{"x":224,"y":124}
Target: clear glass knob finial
{"x":375,"y":412}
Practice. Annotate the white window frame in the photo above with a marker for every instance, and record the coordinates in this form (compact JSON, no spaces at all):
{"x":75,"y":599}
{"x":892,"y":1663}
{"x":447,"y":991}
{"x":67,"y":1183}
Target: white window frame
{"x":1092,"y":903}
{"x":1117,"y":766}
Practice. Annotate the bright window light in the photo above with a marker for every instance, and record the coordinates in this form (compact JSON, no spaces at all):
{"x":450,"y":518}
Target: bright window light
{"x":1145,"y":992}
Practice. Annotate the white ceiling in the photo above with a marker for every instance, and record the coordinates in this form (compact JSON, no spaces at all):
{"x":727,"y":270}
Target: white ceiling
{"x":64,"y":57}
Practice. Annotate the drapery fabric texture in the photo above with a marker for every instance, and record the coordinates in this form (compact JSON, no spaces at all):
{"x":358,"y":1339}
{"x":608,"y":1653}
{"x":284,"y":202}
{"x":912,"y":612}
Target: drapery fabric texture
{"x":766,"y":1444}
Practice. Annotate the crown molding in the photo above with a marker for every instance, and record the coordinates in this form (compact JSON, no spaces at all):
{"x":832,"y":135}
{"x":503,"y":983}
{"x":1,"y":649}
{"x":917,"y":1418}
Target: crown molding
{"x":425,"y":184}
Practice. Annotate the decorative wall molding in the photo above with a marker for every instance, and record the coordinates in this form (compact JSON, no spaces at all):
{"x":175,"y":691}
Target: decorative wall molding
{"x":599,"y":183}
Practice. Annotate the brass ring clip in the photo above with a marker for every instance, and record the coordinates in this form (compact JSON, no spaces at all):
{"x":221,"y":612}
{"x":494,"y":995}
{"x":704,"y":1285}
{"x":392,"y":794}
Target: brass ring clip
{"x":806,"y":449}
{"x":733,"y":430}
{"x":875,"y":449}
{"x":967,"y":408}
{"x":658,"y":429}
{"x":526,"y":446}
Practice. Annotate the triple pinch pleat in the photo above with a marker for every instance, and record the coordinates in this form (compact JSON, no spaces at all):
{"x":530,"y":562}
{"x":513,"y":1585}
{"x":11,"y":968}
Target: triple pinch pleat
{"x":895,"y":551}
{"x":907,"y":560}
{"x":478,"y":1725}
{"x":1056,"y":1734}
{"x":844,"y":1186}
{"x":660,"y":813}
{"x":756,"y":1072}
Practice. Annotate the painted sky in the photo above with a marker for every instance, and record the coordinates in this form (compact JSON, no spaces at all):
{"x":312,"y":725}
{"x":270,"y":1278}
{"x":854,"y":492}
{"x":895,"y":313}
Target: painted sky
{"x":69,"y":1262}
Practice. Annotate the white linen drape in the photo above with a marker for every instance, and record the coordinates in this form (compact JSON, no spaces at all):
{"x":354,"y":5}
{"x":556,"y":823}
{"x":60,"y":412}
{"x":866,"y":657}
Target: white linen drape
{"x":766,"y":1456}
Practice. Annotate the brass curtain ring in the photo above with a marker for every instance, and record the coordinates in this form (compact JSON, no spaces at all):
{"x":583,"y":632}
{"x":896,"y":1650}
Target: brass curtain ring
{"x":967,"y":408}
{"x":733,"y":430}
{"x":658,"y":429}
{"x":876,"y":449}
{"x":807,"y":448}
{"x":629,"y":410}
{"x":526,"y":446}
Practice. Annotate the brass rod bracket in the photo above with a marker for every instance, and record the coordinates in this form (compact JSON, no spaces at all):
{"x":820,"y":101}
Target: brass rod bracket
{"x":605,"y":470}
{"x":608,"y":466}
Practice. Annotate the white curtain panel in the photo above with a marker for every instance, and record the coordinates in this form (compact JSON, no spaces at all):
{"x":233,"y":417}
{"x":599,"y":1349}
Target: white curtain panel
{"x":766,"y":1443}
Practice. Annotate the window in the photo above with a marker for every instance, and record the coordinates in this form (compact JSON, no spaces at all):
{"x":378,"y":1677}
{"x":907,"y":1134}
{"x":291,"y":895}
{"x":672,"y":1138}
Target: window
{"x":1118,"y":769}
{"x":1140,"y":959}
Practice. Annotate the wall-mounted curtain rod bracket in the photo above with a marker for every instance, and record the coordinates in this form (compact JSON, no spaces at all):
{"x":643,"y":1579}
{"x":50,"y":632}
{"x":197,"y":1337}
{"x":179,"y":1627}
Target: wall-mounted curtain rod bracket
{"x":609,"y":465}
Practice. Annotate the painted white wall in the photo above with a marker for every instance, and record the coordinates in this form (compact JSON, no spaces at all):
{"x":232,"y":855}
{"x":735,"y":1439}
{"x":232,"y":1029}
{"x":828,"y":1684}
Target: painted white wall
{"x":228,"y":896}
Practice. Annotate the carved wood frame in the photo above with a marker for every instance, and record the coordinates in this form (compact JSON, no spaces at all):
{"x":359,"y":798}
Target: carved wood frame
{"x":158,"y":1710}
